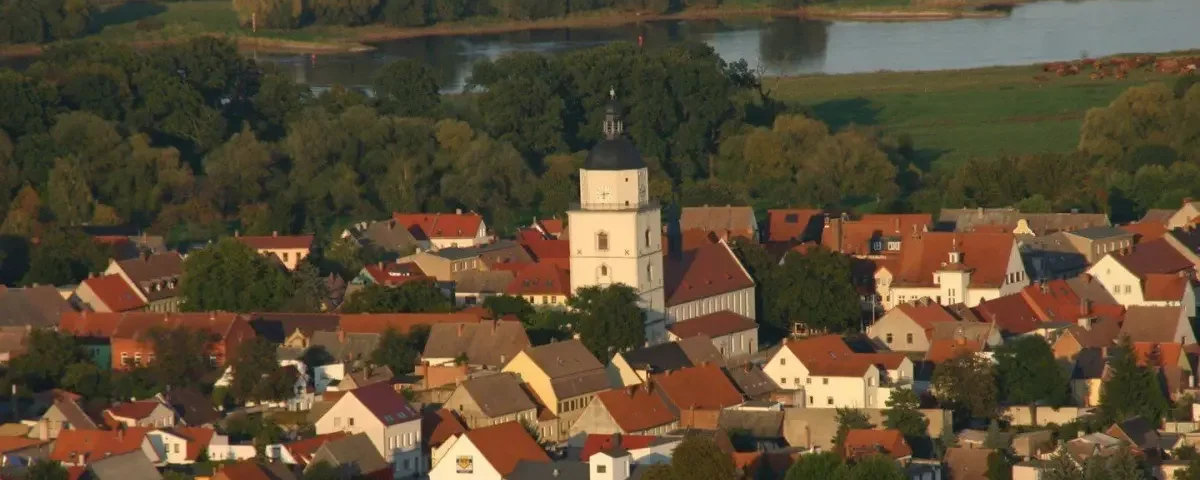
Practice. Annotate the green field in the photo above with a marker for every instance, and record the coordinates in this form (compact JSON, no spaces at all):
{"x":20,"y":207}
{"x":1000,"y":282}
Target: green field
{"x":953,"y":115}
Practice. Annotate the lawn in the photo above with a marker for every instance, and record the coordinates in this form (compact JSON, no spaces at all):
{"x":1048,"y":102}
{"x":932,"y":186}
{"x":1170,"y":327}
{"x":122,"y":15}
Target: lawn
{"x":953,"y":115}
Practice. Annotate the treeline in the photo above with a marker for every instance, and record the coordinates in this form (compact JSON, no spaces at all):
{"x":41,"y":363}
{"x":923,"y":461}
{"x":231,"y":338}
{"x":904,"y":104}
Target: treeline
{"x":41,"y":21}
{"x":287,"y":14}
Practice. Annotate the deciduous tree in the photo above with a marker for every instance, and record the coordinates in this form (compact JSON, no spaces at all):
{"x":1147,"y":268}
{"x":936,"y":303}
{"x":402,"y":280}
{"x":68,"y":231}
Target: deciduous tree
{"x":610,"y":320}
{"x":1028,"y":373}
{"x":967,"y":383}
{"x":818,"y":466}
{"x":408,"y":88}
{"x":699,"y":458}
{"x":849,"y":419}
{"x":903,"y":414}
{"x":411,"y":297}
{"x":398,"y":351}
{"x":230,"y":276}
{"x":181,"y":355}
{"x":876,"y":467}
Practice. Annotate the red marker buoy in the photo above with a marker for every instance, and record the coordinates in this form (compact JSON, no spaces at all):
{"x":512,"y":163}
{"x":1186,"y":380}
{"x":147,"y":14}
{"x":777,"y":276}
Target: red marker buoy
{"x":641,"y":40}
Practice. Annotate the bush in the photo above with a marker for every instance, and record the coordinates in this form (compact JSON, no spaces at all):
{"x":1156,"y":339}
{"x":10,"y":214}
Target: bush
{"x":151,"y":24}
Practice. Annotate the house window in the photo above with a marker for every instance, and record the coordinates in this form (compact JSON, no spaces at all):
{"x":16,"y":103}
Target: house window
{"x":910,"y":339}
{"x":602,"y":241}
{"x":889,"y":338}
{"x":783,"y":361}
{"x":604,"y":270}
{"x":175,"y":447}
{"x":545,"y":300}
{"x":124,"y":358}
{"x":783,"y":381}
{"x":350,"y":422}
{"x":1117,"y":289}
{"x":796,"y":380}
{"x":601,"y":468}
{"x":825,"y":381}
{"x":808,"y":380}
{"x":1127,"y":289}
{"x":810,"y":400}
{"x":137,"y":358}
{"x":647,"y":238}
{"x":829,"y":400}
{"x":285,"y":256}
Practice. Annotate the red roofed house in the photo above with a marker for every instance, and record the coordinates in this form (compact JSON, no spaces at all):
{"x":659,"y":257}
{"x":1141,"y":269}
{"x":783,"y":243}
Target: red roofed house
{"x":541,"y":284}
{"x":181,"y":445}
{"x":873,"y":236}
{"x":288,"y":249}
{"x":706,"y":280}
{"x":132,"y":345}
{"x":697,"y":394}
{"x":550,"y":227}
{"x":948,"y":349}
{"x":382,"y":414}
{"x":1152,"y":274}
{"x":81,"y":447}
{"x":834,"y":376}
{"x":731,"y":333}
{"x":107,"y":293}
{"x":300,"y":452}
{"x":140,"y":413}
{"x":863,"y":442}
{"x":633,"y":410}
{"x":155,"y":277}
{"x":489,"y":453}
{"x":909,"y":326}
{"x":952,"y":268}
{"x":596,"y":443}
{"x":794,"y":225}
{"x":390,"y":274}
{"x":378,"y":323}
{"x":435,"y":231}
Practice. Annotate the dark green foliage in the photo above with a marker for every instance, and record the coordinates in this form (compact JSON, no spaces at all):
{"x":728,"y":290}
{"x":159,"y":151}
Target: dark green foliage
{"x":48,"y":357}
{"x":407,"y":88}
{"x":411,"y":297}
{"x":181,"y":355}
{"x":230,"y":276}
{"x":967,"y":384}
{"x":818,"y":466}
{"x":39,"y":21}
{"x":407,"y":13}
{"x":257,"y":376}
{"x":1131,"y":390}
{"x":849,"y":419}
{"x":344,"y":12}
{"x":63,"y":257}
{"x":1028,"y":373}
{"x":609,"y":319}
{"x":503,"y":305}
{"x":46,"y":469}
{"x":876,"y":467}
{"x":28,"y":106}
{"x":398,"y":351}
{"x":903,"y":414}
{"x":831,"y":303}
{"x":321,"y":470}
{"x":999,"y":466}
{"x":699,"y":458}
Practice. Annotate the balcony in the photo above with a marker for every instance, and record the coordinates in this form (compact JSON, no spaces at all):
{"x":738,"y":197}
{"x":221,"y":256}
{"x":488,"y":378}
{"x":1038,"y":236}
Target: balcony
{"x":615,"y":206}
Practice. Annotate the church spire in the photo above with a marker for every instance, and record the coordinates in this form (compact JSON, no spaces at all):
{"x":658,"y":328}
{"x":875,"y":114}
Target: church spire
{"x":612,"y":116}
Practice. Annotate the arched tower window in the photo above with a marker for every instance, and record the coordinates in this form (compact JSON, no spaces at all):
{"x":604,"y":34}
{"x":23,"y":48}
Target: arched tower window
{"x":647,"y":238}
{"x":602,"y":241}
{"x":650,"y":273}
{"x":604,"y":270}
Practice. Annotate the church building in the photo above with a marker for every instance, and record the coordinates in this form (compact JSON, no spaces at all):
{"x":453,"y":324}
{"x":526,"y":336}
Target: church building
{"x":615,"y":230}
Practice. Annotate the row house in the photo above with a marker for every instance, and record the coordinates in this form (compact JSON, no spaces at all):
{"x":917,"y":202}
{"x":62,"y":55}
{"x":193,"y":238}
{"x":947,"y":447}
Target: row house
{"x":444,"y":230}
{"x":732,"y":334}
{"x":490,"y":453}
{"x":914,"y":327}
{"x":1150,"y":274}
{"x":155,"y":279}
{"x":563,"y":375}
{"x":707,"y":280}
{"x":482,"y":346}
{"x":132,"y":344}
{"x":382,"y":415}
{"x":493,"y":399}
{"x":952,"y":268}
{"x":794,"y":225}
{"x":1011,"y":220}
{"x":831,"y":375}
{"x":288,"y":250}
{"x":634,"y":410}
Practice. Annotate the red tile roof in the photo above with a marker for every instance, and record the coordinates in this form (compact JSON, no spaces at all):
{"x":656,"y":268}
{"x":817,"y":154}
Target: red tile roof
{"x":552,"y":226}
{"x":596,"y":443}
{"x":1156,"y":256}
{"x":302,"y":451}
{"x":1164,"y":287}
{"x":546,"y":249}
{"x":97,"y":444}
{"x":868,"y":442}
{"x":425,"y":226}
{"x":853,"y":237}
{"x":785,"y":225}
{"x":1011,"y":313}
{"x":1054,"y":301}
{"x":133,"y":410}
{"x":987,"y":254}
{"x":243,"y":470}
{"x":439,"y":425}
{"x":636,"y":408}
{"x":401,"y":322}
{"x":89,"y":324}
{"x":1167,"y":353}
{"x":505,"y":444}
{"x":393,"y":274}
{"x":116,"y":294}
{"x":712,"y":325}
{"x":540,"y":279}
{"x":276,"y":241}
{"x":8,"y":444}
{"x":946,"y":349}
{"x":135,"y":325}
{"x":704,"y":272}
{"x":926,"y":313}
{"x":700,"y":387}
{"x":691,"y":239}
{"x":1146,"y":231}
{"x":383,"y":401}
{"x":828,"y":355}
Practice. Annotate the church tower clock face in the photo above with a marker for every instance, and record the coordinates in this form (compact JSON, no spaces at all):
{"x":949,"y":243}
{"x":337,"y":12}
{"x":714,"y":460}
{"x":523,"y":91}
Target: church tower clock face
{"x":603,"y":194}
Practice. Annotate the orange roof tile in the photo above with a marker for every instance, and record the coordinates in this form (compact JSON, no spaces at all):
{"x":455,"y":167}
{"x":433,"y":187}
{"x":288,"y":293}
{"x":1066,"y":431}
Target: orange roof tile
{"x":1156,"y":256}
{"x":96,"y":444}
{"x":540,"y":279}
{"x":425,"y":226}
{"x":713,"y":325}
{"x":89,"y":324}
{"x":552,"y":226}
{"x":926,"y":313}
{"x":1054,"y":301}
{"x":791,"y":224}
{"x":243,"y":470}
{"x":276,"y":241}
{"x":401,"y":322}
{"x":116,"y":294}
{"x":596,"y":443}
{"x":946,"y":349}
{"x":701,"y":387}
{"x":1164,"y":287}
{"x":303,"y":450}
{"x":704,"y":272}
{"x":8,"y":444}
{"x":636,"y":408}
{"x":986,"y":254}
{"x":439,"y":425}
{"x":1146,"y":231}
{"x":1167,"y":353}
{"x":890,"y":442}
{"x":393,"y":274}
{"x":505,"y":444}
{"x":134,"y":325}
{"x":1011,"y":313}
{"x":133,"y":410}
{"x":546,"y":249}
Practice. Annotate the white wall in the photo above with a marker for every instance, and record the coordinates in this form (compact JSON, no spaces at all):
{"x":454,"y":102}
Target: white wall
{"x":740,"y":302}
{"x":785,"y":369}
{"x":447,"y":467}
{"x":854,"y":392}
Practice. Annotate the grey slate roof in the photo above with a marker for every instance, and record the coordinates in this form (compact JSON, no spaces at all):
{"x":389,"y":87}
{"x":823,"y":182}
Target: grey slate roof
{"x":572,"y":369}
{"x":499,"y":394}
{"x":489,"y":343}
{"x":385,"y":235}
{"x":129,"y":466}
{"x":277,"y":326}
{"x":1141,"y":432}
{"x":74,"y":413}
{"x":356,"y":345}
{"x":658,"y":358}
{"x":562,"y":469}
{"x":759,"y":424}
{"x":751,"y":380}
{"x":1101,"y":232}
{"x":157,"y":268}
{"x":192,"y":406}
{"x":1089,"y":363}
{"x":355,"y":455}
{"x":40,"y":306}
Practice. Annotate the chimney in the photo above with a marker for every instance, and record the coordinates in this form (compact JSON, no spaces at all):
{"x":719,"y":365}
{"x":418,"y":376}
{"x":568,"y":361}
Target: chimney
{"x":274,"y":233}
{"x":80,"y":459}
{"x":237,"y":233}
{"x":341,"y":336}
{"x":460,"y":329}
{"x":458,"y":211}
{"x":44,"y":429}
{"x":1085,"y":323}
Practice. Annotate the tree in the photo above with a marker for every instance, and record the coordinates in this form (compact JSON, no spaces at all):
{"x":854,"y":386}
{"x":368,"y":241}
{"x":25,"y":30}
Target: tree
{"x":609,"y":319}
{"x":876,"y":467}
{"x":995,"y":438}
{"x":815,"y":289}
{"x":68,"y":192}
{"x":398,"y":351}
{"x":408,"y":88}
{"x":1192,"y":472}
{"x":344,"y":12}
{"x":818,"y":466}
{"x":237,"y":170}
{"x":503,"y":305}
{"x":1131,"y":390}
{"x":230,"y":276}
{"x":46,"y":469}
{"x":321,"y":470}
{"x":181,"y":355}
{"x":967,"y":383}
{"x":1028,"y":373}
{"x":407,"y":13}
{"x":88,"y":380}
{"x":1062,"y":467}
{"x":699,"y":458}
{"x":999,"y":466}
{"x":410,"y":297}
{"x":256,"y":373}
{"x":658,"y":472}
{"x":902,"y":414}
{"x":849,"y":419}
{"x":309,"y":290}
{"x":281,"y":14}
{"x":63,"y":257}
{"x":47,"y":358}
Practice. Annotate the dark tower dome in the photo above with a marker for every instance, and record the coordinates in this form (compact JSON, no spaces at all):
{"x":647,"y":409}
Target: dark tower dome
{"x":615,"y":152}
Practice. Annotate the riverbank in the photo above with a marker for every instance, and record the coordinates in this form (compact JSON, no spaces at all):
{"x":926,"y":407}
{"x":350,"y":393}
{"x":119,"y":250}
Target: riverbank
{"x":145,"y":25}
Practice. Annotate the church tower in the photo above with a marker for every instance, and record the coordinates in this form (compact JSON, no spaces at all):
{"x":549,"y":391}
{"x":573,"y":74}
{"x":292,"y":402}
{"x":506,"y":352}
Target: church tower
{"x":615,"y":230}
